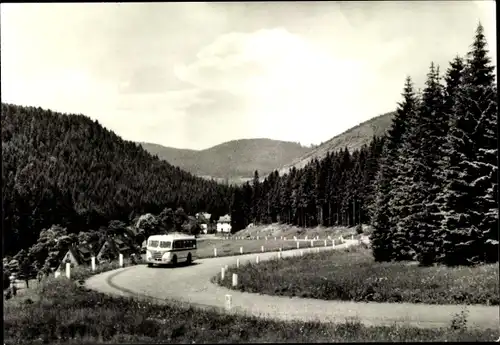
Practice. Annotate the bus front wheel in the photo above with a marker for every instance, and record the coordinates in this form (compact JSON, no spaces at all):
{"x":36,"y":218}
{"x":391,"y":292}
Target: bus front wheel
{"x":189,"y":259}
{"x":174,"y":260}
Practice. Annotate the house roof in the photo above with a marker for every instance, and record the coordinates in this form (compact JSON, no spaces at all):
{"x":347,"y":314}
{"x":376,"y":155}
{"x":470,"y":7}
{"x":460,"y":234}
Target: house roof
{"x":224,"y":219}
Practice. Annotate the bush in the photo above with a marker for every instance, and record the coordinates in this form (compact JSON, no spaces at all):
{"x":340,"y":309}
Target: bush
{"x":6,"y":279}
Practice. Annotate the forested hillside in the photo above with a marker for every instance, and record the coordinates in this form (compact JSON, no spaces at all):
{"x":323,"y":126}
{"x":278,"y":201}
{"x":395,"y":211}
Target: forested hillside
{"x":69,"y":170}
{"x":432,"y":187}
{"x":232,"y":160}
{"x":352,"y":139}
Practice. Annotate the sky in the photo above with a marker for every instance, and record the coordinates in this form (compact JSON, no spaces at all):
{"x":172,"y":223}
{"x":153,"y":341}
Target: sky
{"x":194,"y":75}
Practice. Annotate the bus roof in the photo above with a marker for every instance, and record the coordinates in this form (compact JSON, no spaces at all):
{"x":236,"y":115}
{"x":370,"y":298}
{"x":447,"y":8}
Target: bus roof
{"x":171,"y":237}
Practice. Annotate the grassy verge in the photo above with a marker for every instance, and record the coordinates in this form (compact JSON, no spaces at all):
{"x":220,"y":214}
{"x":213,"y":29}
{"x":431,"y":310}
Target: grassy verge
{"x":277,"y":229}
{"x":352,"y":274}
{"x":232,"y":247}
{"x":65,"y":313}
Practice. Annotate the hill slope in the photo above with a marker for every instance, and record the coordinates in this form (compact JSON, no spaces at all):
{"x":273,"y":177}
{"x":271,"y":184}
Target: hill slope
{"x":233,"y":159}
{"x":69,"y":170}
{"x":353,"y":138}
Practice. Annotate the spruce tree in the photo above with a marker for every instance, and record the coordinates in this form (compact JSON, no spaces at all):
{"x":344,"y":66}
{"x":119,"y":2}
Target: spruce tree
{"x":419,"y":216}
{"x":386,"y":246}
{"x":470,"y":225}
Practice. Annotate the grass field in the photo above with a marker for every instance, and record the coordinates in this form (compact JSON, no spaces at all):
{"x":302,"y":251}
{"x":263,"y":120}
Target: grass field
{"x":65,"y":313}
{"x":353,"y":275}
{"x":277,"y":229}
{"x":232,"y":246}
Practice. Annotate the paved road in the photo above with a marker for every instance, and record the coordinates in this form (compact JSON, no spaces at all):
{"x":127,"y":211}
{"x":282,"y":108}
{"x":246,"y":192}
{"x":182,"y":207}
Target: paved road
{"x":191,"y":284}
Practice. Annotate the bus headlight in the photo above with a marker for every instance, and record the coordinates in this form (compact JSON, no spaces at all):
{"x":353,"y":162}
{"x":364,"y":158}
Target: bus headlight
{"x":166,"y":256}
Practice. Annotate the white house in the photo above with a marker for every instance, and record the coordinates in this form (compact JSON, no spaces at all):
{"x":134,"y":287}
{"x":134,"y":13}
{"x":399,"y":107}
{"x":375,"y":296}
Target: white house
{"x":204,"y":220}
{"x":224,"y":224}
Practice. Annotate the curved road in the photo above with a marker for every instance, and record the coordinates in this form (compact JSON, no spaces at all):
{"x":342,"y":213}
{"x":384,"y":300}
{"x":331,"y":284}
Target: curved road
{"x":191,"y":284}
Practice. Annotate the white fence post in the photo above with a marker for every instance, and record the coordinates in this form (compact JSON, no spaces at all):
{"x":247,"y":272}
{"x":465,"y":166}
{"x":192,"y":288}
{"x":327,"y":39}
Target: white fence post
{"x":235,"y":280}
{"x":279,"y":255}
{"x":325,"y":243}
{"x":306,"y":238}
{"x":222,"y":273}
{"x":237,"y":263}
{"x":301,"y":253}
{"x":57,"y":274}
{"x":266,"y":238}
{"x":284,"y":238}
{"x":229,"y":302}
{"x":352,"y":237}
{"x":298,"y":244}
{"x":262,"y":249}
{"x":312,"y":243}
{"x":68,"y":270}
{"x":92,"y":261}
{"x":215,"y":251}
{"x":257,"y":237}
{"x":241,"y":250}
{"x":275,"y":238}
{"x":333,"y":243}
{"x":257,"y":259}
{"x":120,"y":259}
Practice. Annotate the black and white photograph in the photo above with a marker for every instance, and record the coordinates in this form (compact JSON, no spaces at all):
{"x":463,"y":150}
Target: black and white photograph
{"x":249,"y":172}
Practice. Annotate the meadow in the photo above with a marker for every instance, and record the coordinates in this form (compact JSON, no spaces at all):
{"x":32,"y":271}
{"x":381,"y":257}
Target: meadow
{"x":351,"y":274}
{"x":232,"y":246}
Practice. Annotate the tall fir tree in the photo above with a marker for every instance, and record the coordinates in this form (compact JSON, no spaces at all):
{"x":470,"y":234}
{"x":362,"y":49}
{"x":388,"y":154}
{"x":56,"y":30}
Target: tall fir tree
{"x":419,"y":218}
{"x":384,"y":243}
{"x":470,"y":225}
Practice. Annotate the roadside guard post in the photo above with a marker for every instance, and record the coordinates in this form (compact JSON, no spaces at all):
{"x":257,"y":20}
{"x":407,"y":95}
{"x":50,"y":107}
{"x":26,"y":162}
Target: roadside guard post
{"x":120,"y":259}
{"x":68,"y":270}
{"x":93,"y":263}
{"x":215,"y":251}
{"x":235,"y":280}
{"x":229,"y":302}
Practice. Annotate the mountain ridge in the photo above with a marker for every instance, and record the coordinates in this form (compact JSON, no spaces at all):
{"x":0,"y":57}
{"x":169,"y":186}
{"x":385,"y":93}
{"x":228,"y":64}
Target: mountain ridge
{"x":353,"y":138}
{"x":213,"y":162}
{"x":232,"y":160}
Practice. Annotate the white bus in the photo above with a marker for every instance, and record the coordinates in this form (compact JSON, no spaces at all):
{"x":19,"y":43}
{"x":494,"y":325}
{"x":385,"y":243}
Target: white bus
{"x":170,"y":249}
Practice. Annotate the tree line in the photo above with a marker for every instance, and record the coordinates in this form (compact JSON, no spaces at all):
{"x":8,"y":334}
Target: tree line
{"x":337,"y":190}
{"x":69,"y":170}
{"x":429,"y":186}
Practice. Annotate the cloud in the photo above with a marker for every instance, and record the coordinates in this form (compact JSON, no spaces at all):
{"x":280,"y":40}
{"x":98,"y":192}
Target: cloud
{"x":280,"y":79}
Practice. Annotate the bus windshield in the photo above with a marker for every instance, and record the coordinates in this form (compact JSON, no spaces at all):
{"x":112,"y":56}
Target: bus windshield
{"x":153,"y":244}
{"x":165,"y":244}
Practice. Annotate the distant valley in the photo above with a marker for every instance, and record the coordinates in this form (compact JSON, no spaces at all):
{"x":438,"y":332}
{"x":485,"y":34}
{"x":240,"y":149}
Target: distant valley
{"x":235,"y":162}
